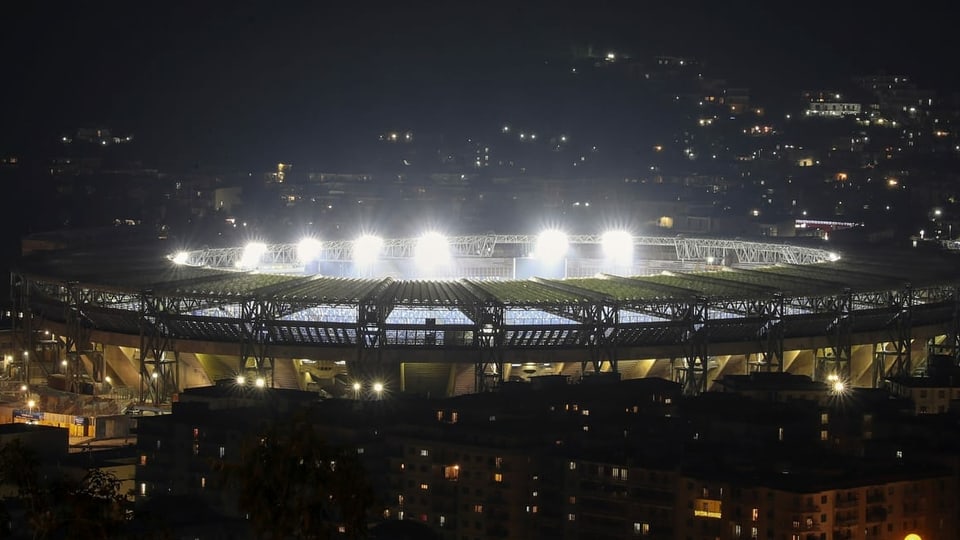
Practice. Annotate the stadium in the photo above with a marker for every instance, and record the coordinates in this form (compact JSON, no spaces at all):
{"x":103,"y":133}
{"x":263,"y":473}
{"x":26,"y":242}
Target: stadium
{"x":443,"y":316}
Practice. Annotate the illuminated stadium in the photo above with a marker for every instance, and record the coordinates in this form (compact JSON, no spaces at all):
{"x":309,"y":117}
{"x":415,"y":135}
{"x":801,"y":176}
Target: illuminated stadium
{"x":444,"y":316}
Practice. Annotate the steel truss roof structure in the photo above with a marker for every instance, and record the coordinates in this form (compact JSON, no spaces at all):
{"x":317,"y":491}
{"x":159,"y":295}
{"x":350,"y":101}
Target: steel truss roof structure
{"x":484,"y":246}
{"x":800,"y":293}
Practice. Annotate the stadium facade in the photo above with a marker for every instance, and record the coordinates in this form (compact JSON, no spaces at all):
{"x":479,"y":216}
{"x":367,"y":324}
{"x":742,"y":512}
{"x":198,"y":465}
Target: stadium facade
{"x":486,"y":309}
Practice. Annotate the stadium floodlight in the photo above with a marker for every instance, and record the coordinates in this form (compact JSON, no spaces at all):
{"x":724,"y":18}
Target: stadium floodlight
{"x":833,"y":257}
{"x":252,"y":253}
{"x":617,"y":247}
{"x":432,"y":250}
{"x":181,"y":257}
{"x":551,"y":245}
{"x":366,"y":249}
{"x":259,"y":382}
{"x":308,"y":250}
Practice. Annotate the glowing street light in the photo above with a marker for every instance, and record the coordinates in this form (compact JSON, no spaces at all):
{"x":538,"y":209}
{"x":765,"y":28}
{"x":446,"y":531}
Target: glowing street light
{"x":260,"y":382}
{"x":356,"y":390}
{"x":30,"y":405}
{"x":378,"y":389}
{"x":241,"y":380}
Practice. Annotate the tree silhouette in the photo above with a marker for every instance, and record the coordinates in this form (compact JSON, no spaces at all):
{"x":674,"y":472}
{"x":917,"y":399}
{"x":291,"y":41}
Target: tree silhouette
{"x":62,"y":508}
{"x":292,"y":484}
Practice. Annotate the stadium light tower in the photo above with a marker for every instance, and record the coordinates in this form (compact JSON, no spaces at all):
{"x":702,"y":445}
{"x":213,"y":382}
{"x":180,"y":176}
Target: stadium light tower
{"x":366,"y":249}
{"x":252,"y":253}
{"x":308,"y":250}
{"x":181,"y":257}
{"x":618,"y":247}
{"x":551,"y":246}
{"x":431,"y":252}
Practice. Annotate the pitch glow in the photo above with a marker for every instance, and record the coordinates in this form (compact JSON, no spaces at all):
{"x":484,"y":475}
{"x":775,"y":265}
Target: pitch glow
{"x":551,"y":245}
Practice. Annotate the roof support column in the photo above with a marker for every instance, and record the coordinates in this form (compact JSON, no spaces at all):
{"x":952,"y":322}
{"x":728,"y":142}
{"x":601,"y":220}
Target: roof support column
{"x":159,"y":371}
{"x":770,"y":334}
{"x":692,"y":374}
{"x":602,"y":339}
{"x":835,"y":361}
{"x":898,"y":349}
{"x":256,"y":314}
{"x":488,"y":370}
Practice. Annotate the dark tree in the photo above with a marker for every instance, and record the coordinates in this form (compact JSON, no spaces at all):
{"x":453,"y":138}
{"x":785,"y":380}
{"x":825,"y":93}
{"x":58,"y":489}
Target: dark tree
{"x":293,"y":484}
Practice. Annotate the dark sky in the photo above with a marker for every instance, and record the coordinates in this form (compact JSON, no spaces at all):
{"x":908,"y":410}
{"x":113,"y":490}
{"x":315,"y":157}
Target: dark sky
{"x":214,"y":80}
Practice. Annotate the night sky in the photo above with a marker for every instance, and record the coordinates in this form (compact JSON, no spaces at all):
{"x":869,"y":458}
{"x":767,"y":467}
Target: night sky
{"x":243,"y":84}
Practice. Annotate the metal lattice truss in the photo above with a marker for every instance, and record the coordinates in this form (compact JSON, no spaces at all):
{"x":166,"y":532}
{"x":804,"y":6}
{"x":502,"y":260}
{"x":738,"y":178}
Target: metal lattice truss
{"x":277,"y":256}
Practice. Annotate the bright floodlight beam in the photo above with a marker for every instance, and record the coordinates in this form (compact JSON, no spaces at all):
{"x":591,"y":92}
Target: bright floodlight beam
{"x":366,"y":249}
{"x":181,"y":257}
{"x":252,"y":254}
{"x":551,"y":245}
{"x":432,"y":251}
{"x":308,"y":250}
{"x":618,"y":247}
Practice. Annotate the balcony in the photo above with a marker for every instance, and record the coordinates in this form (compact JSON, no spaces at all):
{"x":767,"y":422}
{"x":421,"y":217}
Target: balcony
{"x":847,"y":502}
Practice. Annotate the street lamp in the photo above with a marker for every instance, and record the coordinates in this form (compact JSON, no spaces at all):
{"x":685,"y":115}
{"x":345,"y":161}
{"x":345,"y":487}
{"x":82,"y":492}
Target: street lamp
{"x":378,"y":389}
{"x":30,"y":405}
{"x":356,"y":390}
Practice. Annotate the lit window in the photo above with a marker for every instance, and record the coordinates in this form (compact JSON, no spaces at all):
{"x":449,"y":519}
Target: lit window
{"x":451,"y":472}
{"x":443,"y":520}
{"x":143,"y":489}
{"x":824,"y":435}
{"x":424,"y":486}
{"x":203,"y":482}
{"x":478,"y":508}
{"x":223,"y":451}
{"x":143,"y":459}
{"x":498,"y":477}
{"x":571,"y":517}
{"x":439,"y":416}
{"x":755,"y":514}
{"x":572,"y":465}
{"x":424,"y":452}
{"x":572,"y":499}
